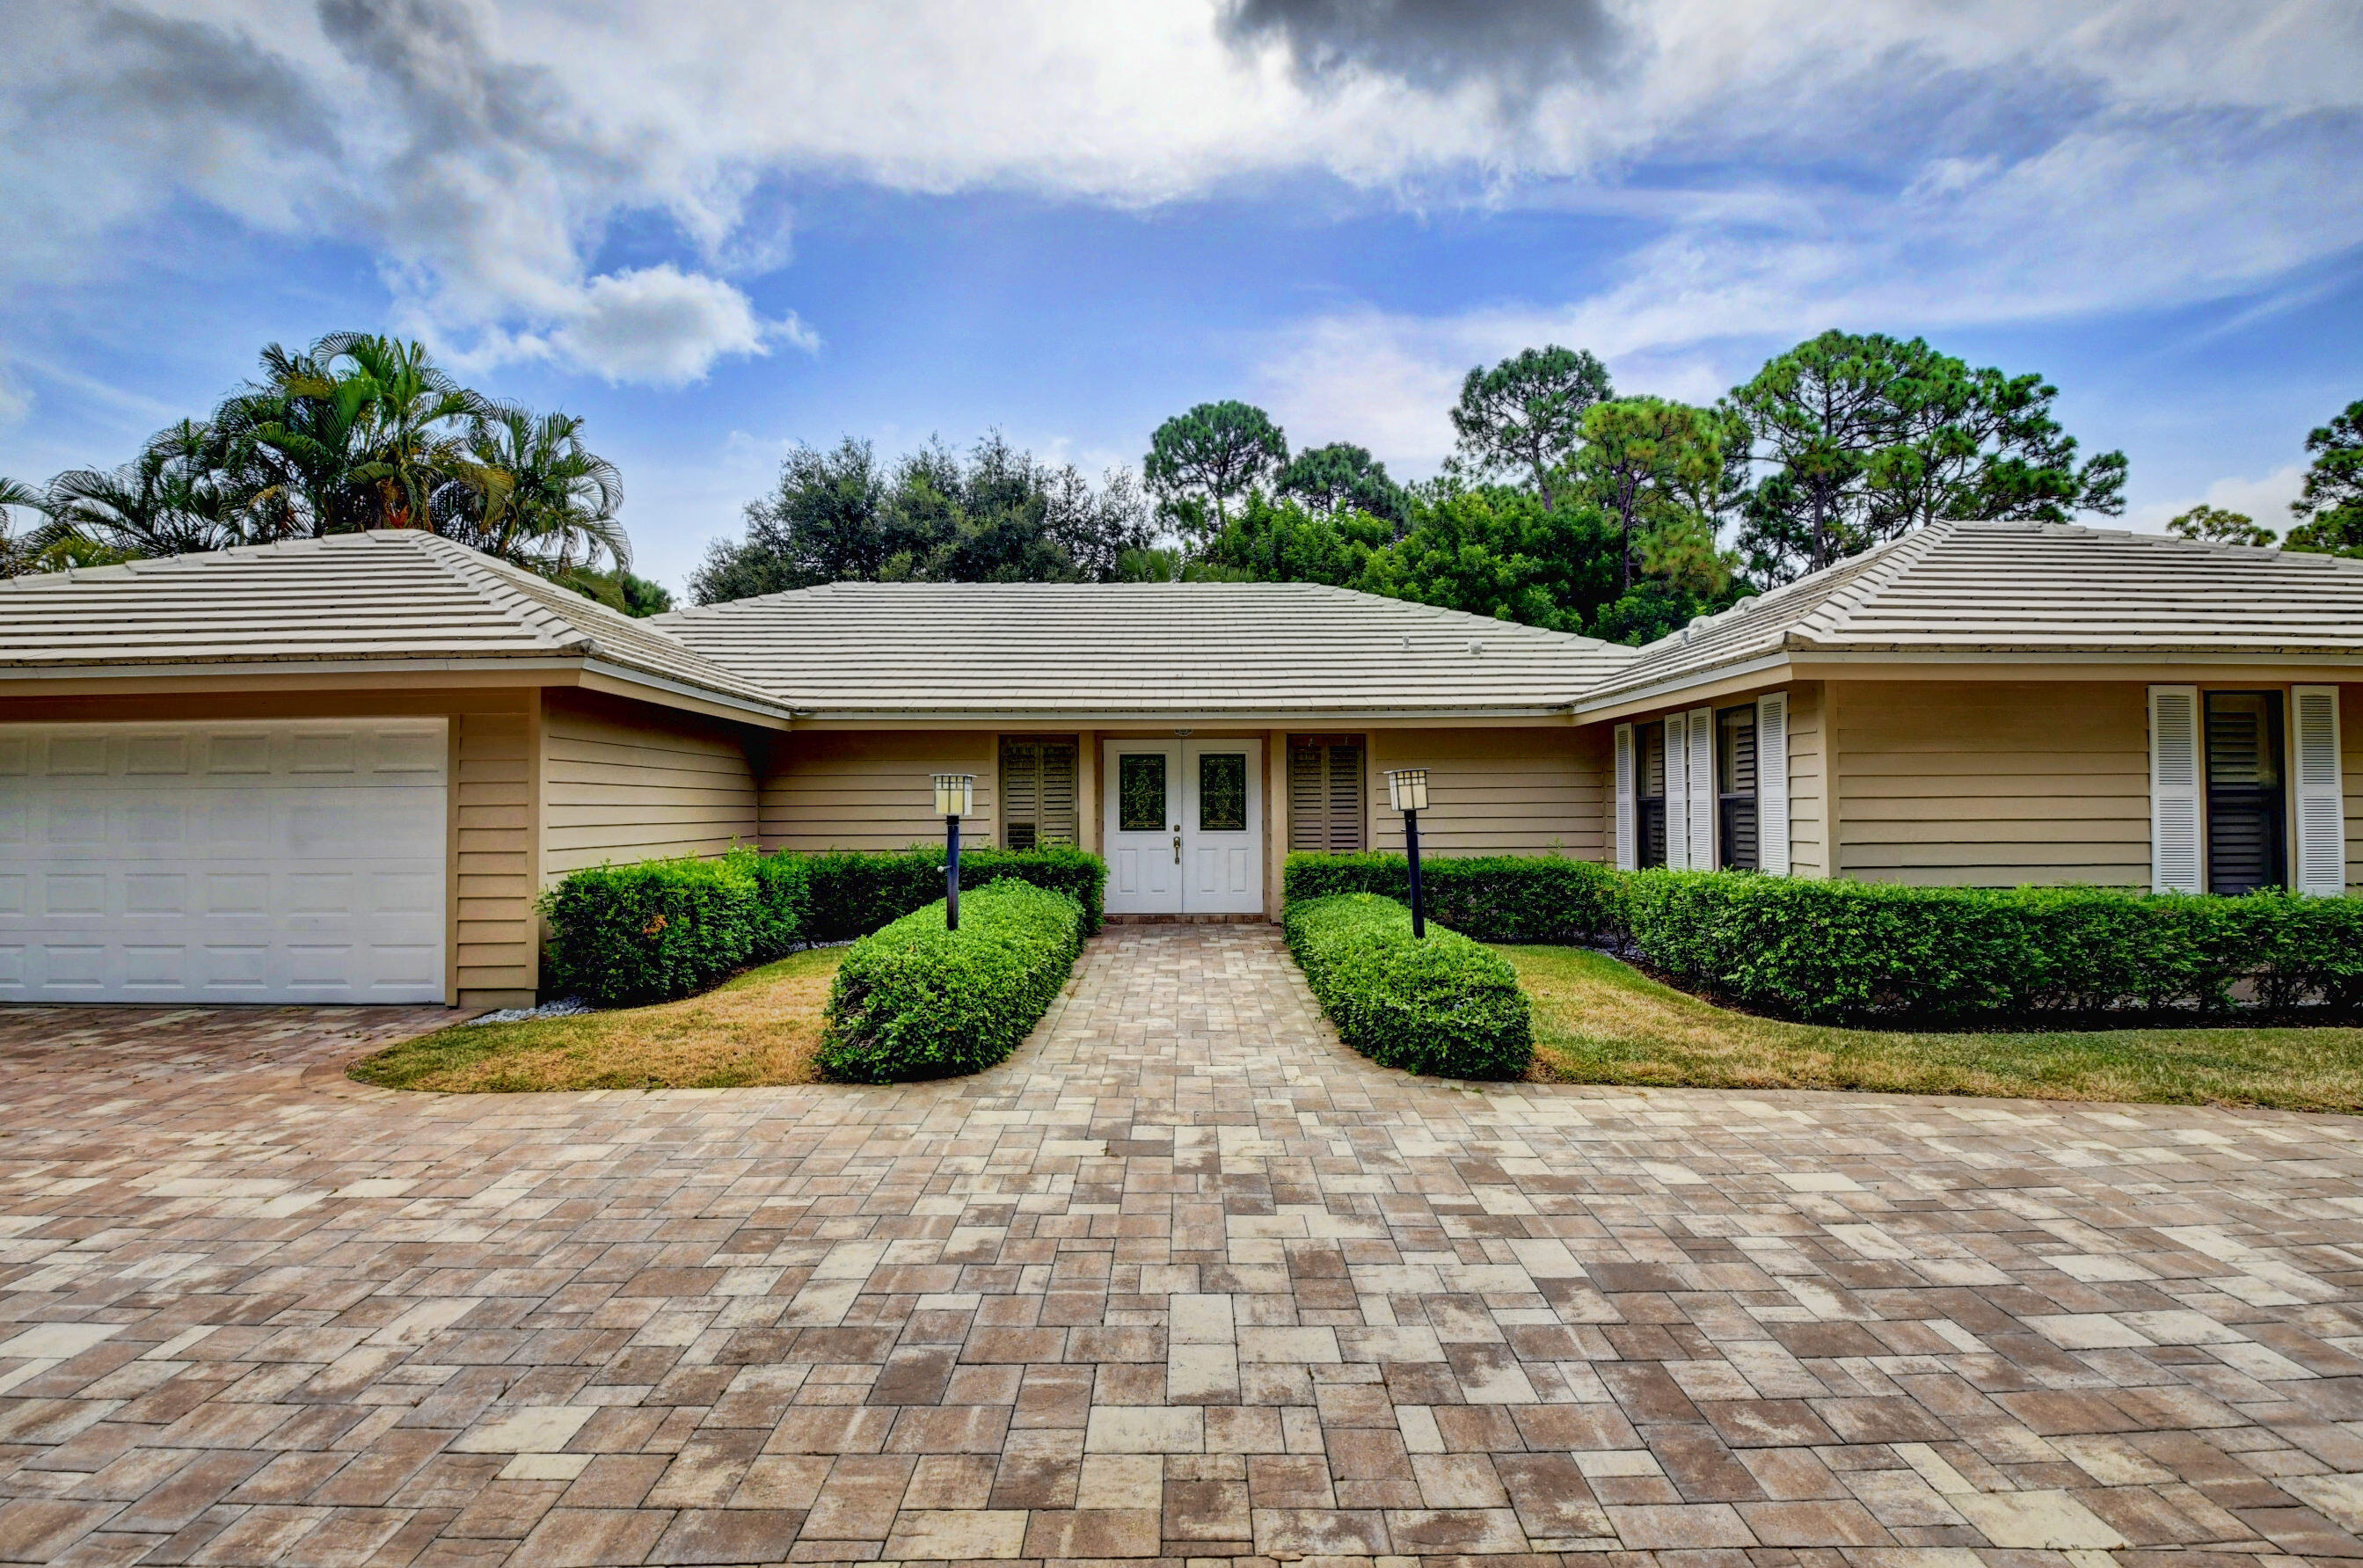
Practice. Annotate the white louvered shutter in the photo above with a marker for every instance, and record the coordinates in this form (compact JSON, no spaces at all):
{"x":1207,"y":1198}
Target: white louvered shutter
{"x":1677,"y":793}
{"x":2321,"y":804}
{"x":1628,"y":847}
{"x":2174,"y":859}
{"x":1702,"y":795}
{"x":1772,"y":782}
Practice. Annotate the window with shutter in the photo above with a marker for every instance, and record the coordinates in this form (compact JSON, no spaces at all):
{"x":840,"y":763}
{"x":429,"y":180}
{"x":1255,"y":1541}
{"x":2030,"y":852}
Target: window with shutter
{"x":2245,"y":809}
{"x":1734,"y":788}
{"x":1326,"y":776}
{"x":1678,"y":791}
{"x":2176,"y":862}
{"x":1628,"y":849}
{"x":1650,"y":799}
{"x":1038,"y":791}
{"x":1701,"y":776}
{"x":2321,"y":791}
{"x":1772,"y":782}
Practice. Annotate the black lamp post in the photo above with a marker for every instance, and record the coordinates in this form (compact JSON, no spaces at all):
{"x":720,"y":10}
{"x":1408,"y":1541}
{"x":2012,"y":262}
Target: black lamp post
{"x":1407,"y":789}
{"x":955,"y":799}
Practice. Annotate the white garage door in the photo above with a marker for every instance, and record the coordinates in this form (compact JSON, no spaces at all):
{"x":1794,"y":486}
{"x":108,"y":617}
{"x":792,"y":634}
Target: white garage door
{"x":236,"y":861}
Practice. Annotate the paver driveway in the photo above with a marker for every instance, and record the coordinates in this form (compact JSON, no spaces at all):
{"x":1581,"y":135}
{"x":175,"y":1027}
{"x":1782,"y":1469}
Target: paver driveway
{"x":1184,"y":1279}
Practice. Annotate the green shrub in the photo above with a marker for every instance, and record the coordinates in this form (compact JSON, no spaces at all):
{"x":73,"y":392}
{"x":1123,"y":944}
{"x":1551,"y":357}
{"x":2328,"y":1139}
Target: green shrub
{"x":659,"y":929}
{"x":855,"y":892}
{"x":1852,"y":951}
{"x":1443,"y":1004}
{"x":1492,"y":898}
{"x":915,"y":1000}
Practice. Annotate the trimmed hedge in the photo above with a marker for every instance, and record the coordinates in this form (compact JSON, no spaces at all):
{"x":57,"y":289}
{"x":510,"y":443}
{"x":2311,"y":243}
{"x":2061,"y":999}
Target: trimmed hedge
{"x":855,"y":893}
{"x":1492,"y":898}
{"x":1857,"y":951}
{"x":1849,"y":951}
{"x":915,"y":1000}
{"x":661,"y":930}
{"x":1443,"y":1004}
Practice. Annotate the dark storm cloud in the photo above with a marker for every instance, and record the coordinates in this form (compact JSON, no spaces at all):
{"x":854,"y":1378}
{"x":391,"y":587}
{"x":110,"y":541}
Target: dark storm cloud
{"x":1516,"y":47}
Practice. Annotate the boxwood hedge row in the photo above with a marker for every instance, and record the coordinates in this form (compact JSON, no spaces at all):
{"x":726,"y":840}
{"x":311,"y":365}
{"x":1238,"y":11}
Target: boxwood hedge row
{"x":1443,"y":1004}
{"x":915,"y":1000}
{"x":656,"y":931}
{"x":1856,"y":951}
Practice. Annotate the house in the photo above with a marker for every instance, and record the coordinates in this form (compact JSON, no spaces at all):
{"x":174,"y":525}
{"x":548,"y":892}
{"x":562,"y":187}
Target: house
{"x":343,"y":770}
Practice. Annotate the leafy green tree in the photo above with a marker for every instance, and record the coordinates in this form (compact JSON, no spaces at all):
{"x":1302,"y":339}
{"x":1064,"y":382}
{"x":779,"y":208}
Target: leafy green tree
{"x":1282,"y":540}
{"x":1495,"y":550}
{"x":1209,"y":457}
{"x":2214,"y":525}
{"x":1647,"y":459}
{"x":620,"y":590}
{"x":2331,"y":504}
{"x":1525,"y":417}
{"x":1866,"y":436}
{"x":167,"y":501}
{"x":994,"y":515}
{"x":1341,"y":477}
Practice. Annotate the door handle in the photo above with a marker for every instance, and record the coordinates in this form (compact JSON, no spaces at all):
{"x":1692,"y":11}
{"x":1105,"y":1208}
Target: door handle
{"x":1177,"y":846}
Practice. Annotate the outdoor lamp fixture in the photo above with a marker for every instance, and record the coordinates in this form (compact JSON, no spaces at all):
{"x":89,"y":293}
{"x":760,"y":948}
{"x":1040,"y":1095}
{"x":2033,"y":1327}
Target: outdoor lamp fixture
{"x":955,"y":799}
{"x":1407,"y":792}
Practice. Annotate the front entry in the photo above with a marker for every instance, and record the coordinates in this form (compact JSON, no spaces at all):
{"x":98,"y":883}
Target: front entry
{"x":1184,"y":827}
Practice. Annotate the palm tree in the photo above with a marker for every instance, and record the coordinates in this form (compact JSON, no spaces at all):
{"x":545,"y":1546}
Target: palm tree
{"x":167,"y":501}
{"x":525,"y":490}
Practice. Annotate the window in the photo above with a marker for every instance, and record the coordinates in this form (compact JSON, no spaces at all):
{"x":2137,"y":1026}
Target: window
{"x":2245,"y":812}
{"x":1324,"y":793}
{"x":1038,"y":791}
{"x":1140,"y":792}
{"x":1734,"y":789}
{"x":1650,"y":792}
{"x":1223,"y":792}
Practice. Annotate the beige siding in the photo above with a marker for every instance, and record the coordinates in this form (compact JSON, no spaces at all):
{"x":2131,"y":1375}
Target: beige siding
{"x":1994,"y":783}
{"x":1809,"y":816}
{"x":872,"y":789}
{"x":622,"y":781}
{"x":499,"y":952}
{"x":1497,"y":792}
{"x":2350,"y":777}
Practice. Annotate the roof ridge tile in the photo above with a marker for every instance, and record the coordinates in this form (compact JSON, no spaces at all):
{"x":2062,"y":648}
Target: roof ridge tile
{"x":1873,"y":577}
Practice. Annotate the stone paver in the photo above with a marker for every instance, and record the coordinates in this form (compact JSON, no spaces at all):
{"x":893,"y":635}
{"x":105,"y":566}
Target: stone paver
{"x":1183,"y":1280}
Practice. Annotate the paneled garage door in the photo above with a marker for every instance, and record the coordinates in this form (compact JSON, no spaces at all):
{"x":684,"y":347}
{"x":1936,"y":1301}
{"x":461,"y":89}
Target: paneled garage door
{"x":239,"y":860}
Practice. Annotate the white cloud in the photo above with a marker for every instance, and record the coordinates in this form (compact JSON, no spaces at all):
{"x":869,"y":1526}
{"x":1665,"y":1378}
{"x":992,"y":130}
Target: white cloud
{"x":2265,"y":499}
{"x":666,"y":327}
{"x":1897,"y":153}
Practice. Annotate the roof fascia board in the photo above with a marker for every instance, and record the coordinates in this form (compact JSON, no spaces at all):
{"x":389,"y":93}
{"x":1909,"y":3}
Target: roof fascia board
{"x":624,"y":681}
{"x":1714,"y":678}
{"x":290,"y":673}
{"x":1138,"y":718}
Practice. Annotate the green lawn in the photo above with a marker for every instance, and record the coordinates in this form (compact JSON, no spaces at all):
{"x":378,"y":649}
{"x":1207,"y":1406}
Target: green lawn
{"x":763,"y":1028}
{"x":1599,"y":1021}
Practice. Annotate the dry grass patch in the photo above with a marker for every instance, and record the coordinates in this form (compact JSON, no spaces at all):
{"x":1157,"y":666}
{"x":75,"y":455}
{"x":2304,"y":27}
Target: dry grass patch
{"x":763,"y":1028}
{"x":1599,"y":1021}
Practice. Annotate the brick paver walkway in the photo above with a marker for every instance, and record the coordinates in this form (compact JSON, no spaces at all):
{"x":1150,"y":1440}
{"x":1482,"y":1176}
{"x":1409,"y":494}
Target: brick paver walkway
{"x":1183,"y":1280}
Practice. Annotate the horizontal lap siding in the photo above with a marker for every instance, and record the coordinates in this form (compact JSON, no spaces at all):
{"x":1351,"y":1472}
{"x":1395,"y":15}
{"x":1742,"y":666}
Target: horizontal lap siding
{"x":1497,"y":792}
{"x":494,"y":881}
{"x":873,"y":790}
{"x":1809,"y":819}
{"x":1994,"y":784}
{"x":622,"y":782}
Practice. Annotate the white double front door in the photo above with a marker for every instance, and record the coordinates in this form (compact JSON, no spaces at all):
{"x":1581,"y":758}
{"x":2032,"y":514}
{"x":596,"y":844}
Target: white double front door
{"x":1183,"y":827}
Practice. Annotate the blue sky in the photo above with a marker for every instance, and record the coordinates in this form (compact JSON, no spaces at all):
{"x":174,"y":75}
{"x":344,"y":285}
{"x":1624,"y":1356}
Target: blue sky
{"x":722,"y":230}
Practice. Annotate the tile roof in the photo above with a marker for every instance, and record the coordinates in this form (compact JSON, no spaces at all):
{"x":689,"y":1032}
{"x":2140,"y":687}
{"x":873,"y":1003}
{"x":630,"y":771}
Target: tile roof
{"x":389,"y":595}
{"x":1971,"y":588}
{"x":1150,"y":648}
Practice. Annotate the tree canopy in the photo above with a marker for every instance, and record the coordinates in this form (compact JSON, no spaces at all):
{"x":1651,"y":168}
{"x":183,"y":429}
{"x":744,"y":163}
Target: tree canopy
{"x":2330,"y":506}
{"x":2215,"y":525}
{"x":1863,"y":438}
{"x":994,"y":515}
{"x":358,"y":431}
{"x":1525,"y":417}
{"x":1209,"y":457}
